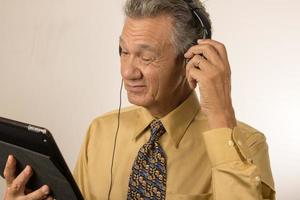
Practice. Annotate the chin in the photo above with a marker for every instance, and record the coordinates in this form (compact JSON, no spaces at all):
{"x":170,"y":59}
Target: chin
{"x":139,"y":100}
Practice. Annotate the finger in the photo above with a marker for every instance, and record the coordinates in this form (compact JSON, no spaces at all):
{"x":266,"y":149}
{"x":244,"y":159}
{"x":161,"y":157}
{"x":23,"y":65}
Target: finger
{"x":221,"y":49}
{"x":10,"y":170}
{"x":18,"y":185}
{"x":194,"y":78}
{"x":196,"y":75}
{"x":49,"y":198}
{"x":207,"y":50}
{"x":201,"y":63}
{"x":192,"y":82}
{"x":41,"y":193}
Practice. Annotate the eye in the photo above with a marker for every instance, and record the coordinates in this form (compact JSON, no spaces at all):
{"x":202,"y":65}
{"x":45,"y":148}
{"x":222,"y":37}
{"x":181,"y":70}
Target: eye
{"x":146,"y":59}
{"x":123,"y":52}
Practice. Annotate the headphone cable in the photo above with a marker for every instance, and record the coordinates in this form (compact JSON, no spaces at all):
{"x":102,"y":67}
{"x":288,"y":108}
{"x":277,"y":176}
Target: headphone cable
{"x":115,"y":142}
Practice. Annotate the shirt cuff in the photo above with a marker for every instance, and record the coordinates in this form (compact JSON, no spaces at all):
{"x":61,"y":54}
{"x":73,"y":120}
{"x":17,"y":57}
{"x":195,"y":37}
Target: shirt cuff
{"x":220,"y":146}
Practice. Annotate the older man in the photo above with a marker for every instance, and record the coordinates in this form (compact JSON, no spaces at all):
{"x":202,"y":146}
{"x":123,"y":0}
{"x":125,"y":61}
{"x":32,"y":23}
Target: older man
{"x":170,"y":145}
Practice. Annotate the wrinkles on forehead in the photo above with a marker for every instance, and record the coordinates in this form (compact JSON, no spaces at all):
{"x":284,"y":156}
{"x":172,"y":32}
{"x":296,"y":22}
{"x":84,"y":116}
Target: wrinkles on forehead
{"x":151,"y":34}
{"x":140,"y":46}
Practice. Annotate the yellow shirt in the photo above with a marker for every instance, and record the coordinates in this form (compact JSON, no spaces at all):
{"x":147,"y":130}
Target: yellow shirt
{"x":219,"y":164}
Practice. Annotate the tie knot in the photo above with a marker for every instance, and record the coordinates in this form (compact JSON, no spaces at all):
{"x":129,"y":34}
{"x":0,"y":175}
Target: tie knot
{"x":157,"y":130}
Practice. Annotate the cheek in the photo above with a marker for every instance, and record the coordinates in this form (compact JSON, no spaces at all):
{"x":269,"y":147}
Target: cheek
{"x":170,"y":81}
{"x":153,"y":82}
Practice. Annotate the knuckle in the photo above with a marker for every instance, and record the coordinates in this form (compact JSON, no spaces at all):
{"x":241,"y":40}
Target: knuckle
{"x":199,"y":56}
{"x":205,"y":46}
{"x":221,"y":46}
{"x":210,"y":48}
{"x":38,"y":194}
{"x":223,"y":49}
{"x":15,"y":187}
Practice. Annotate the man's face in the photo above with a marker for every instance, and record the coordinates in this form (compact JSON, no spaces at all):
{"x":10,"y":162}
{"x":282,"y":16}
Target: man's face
{"x":149,"y":65}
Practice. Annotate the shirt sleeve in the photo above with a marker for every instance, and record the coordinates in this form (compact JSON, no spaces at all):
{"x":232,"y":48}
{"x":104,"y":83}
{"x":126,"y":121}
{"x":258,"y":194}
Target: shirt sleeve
{"x":240,"y":164}
{"x":80,"y":172}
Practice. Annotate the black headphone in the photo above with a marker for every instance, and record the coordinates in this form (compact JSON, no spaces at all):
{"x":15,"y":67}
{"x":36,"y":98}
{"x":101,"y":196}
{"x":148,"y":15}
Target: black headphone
{"x":201,"y":17}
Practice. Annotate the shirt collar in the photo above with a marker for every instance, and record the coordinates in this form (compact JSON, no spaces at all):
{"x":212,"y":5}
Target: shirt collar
{"x":144,"y":118}
{"x":175,"y":123}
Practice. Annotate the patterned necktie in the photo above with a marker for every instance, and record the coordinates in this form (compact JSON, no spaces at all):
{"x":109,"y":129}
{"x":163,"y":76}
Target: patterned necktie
{"x":149,"y":172}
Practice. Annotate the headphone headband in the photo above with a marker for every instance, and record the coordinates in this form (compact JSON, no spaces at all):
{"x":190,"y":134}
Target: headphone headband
{"x":201,"y":17}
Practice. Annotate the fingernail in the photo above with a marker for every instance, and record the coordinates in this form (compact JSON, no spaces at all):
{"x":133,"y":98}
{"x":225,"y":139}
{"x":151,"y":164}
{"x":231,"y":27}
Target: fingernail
{"x":199,"y":41}
{"x":27,"y":169}
{"x":9,"y":159}
{"x":45,"y":189}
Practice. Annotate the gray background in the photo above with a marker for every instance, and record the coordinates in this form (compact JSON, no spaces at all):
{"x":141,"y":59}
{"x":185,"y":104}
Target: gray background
{"x":59,"y":68}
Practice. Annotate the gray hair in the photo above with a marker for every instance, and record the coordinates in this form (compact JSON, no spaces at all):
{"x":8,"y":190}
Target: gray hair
{"x":186,"y":29}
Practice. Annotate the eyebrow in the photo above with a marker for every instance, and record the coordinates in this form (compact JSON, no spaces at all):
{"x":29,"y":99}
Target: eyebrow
{"x":140,"y":46}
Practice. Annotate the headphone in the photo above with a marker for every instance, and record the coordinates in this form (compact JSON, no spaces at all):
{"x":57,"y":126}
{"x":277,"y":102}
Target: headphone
{"x":206,"y":27}
{"x":202,"y":19}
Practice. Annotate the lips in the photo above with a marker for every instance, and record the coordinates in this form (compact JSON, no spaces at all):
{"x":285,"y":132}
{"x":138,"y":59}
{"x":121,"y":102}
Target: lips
{"x":135,"y":88}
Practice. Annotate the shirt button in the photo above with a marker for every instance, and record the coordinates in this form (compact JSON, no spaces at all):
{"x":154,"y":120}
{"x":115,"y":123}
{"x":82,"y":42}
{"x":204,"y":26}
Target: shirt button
{"x":257,"y":179}
{"x":230,"y":143}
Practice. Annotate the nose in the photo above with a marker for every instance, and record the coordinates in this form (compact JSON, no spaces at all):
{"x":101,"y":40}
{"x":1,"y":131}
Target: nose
{"x":130,"y":69}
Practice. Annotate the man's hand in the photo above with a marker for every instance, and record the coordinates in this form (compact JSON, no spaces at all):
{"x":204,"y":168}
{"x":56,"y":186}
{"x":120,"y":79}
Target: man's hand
{"x":16,"y":186}
{"x":209,"y":67}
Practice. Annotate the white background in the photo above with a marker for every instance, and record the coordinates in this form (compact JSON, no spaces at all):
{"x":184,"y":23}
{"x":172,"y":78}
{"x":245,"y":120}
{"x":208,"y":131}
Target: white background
{"x":59,"y":68}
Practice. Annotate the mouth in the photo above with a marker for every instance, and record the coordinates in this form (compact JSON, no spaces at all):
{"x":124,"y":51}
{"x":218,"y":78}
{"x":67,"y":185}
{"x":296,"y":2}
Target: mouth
{"x":135,"y":88}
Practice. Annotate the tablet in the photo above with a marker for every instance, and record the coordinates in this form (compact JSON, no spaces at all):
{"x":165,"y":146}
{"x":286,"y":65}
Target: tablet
{"x":35,"y":146}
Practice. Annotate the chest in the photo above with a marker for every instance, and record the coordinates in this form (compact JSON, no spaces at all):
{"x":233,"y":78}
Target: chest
{"x":188,"y":169}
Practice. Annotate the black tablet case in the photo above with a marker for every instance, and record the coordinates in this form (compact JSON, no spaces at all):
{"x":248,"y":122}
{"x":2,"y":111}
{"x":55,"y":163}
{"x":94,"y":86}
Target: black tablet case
{"x":34,"y":146}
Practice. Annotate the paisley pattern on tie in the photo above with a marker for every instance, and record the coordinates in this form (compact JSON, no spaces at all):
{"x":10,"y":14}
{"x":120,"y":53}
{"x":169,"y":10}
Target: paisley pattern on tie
{"x":149,"y":172}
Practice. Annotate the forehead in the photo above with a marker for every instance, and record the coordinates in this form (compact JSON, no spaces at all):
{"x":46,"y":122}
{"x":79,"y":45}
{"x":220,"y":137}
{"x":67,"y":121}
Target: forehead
{"x":147,"y":31}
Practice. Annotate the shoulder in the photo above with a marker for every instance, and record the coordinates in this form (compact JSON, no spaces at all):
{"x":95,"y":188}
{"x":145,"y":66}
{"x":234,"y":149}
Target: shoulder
{"x":112,"y":116}
{"x":125,"y":112}
{"x":109,"y":120}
